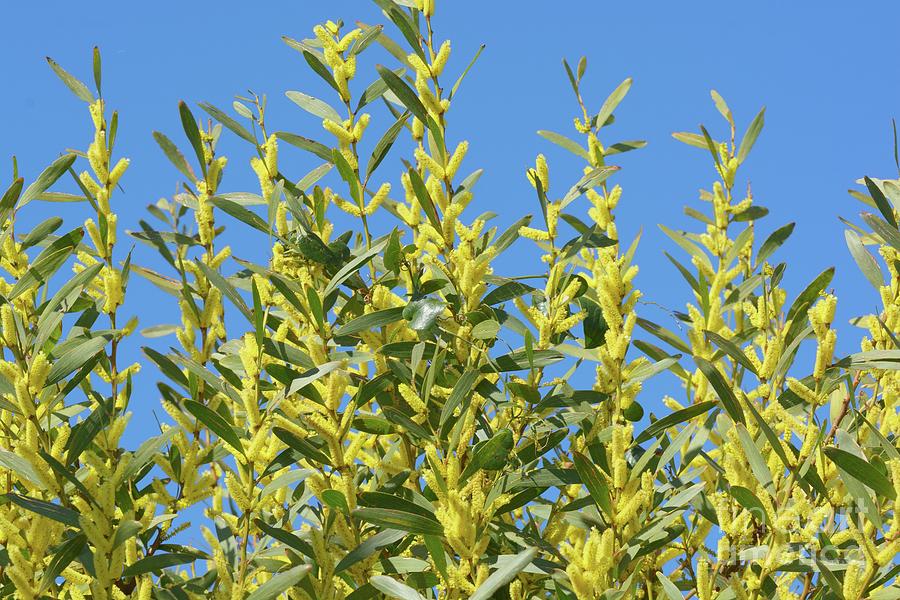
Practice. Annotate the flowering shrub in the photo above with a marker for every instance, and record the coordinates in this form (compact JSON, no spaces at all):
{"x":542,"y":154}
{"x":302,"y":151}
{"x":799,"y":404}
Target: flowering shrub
{"x":380,"y":413}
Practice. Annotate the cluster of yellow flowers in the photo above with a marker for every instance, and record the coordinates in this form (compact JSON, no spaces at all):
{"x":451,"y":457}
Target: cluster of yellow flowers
{"x":379,"y":413}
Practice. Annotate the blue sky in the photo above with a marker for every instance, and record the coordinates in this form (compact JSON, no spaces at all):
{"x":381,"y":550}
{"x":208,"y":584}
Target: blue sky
{"x":826,"y":72}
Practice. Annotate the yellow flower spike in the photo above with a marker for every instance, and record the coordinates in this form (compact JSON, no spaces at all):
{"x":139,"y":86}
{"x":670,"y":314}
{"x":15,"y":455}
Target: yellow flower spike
{"x":10,"y":334}
{"x":440,"y":59}
{"x":380,"y":196}
{"x":360,"y":126}
{"x":417,"y":129}
{"x":427,"y":162}
{"x":118,"y":171}
{"x":237,"y":492}
{"x":456,"y":159}
{"x":418,"y":65}
{"x":37,"y":374}
{"x":537,"y":235}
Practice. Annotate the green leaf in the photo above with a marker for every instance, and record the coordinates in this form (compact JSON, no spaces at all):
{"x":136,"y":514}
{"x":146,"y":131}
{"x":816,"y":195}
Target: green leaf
{"x":394,"y":589}
{"x":64,"y":554}
{"x":215,"y":423}
{"x":797,"y":313}
{"x":460,"y":390}
{"x":507,"y":291}
{"x":75,"y":357}
{"x":754,"y":457}
{"x":889,"y":234}
{"x":490,"y":455}
{"x":371,"y":321}
{"x":593,"y":480}
{"x":749,"y":501}
{"x":590,"y":180}
{"x":722,"y":389}
{"x":881,"y":202}
{"x":317,"y":148}
{"x":773,"y":242}
{"x":423,"y":313}
{"x":47,"y":262}
{"x":384,"y":144}
{"x":48,"y":177}
{"x":192,"y":131}
{"x":301,"y":446}
{"x":675,"y":418}
{"x":157,"y":562}
{"x":503,"y":575}
{"x":750,"y":136}
{"x":174,"y":155}
{"x":41,"y":231}
{"x":424,"y":198}
{"x":691,"y":139}
{"x":20,"y":467}
{"x":288,"y":539}
{"x":564,"y":142}
{"x":54,"y":512}
{"x":369,"y":546}
{"x":403,"y":92}
{"x":126,"y":530}
{"x":77,"y":86}
{"x":731,"y":349}
{"x":227,"y":121}
{"x":244,"y":215}
{"x":864,"y":260}
{"x":353,"y":266}
{"x":314,"y":106}
{"x":670,"y":589}
{"x":85,"y":432}
{"x":398,"y":519}
{"x":280,"y":583}
{"x":610,"y":104}
{"x":486,"y":330}
{"x":862,"y":471}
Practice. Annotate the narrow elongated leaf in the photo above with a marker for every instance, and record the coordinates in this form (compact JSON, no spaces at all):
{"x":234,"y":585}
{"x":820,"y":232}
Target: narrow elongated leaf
{"x":76,"y":85}
{"x":750,"y":136}
{"x":371,"y":321}
{"x":64,"y":554}
{"x":773,"y":242}
{"x":280,"y":583}
{"x":506,"y":573}
{"x":862,"y":471}
{"x":398,"y":519}
{"x":731,"y":349}
{"x":722,"y":389}
{"x":610,"y":104}
{"x":593,"y":481}
{"x":174,"y":155}
{"x":157,"y":562}
{"x":405,"y":93}
{"x":394,"y":589}
{"x":227,"y":121}
{"x":864,"y":260}
{"x":215,"y":423}
{"x":675,"y":418}
{"x":314,"y":106}
{"x":369,"y":547}
{"x":881,"y":202}
{"x":192,"y":131}
{"x":754,"y":457}
{"x":54,"y":512}
{"x":285,"y":537}
{"x":48,"y":262}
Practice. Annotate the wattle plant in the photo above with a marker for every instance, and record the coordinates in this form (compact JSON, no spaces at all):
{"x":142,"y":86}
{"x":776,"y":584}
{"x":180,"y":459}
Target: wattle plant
{"x":375,"y":411}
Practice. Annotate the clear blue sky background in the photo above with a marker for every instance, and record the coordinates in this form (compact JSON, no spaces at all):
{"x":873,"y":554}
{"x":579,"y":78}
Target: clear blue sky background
{"x":826,"y":71}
